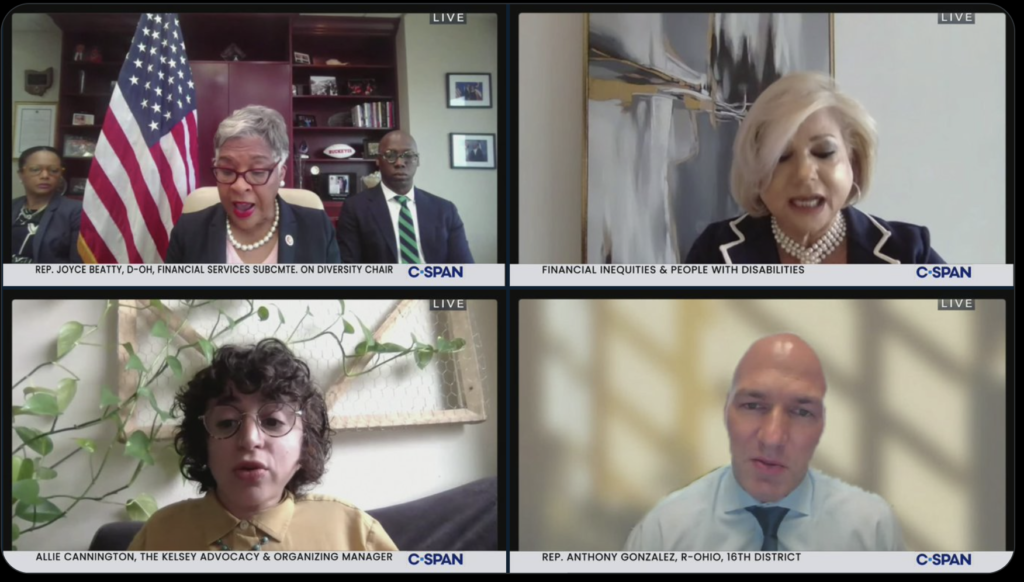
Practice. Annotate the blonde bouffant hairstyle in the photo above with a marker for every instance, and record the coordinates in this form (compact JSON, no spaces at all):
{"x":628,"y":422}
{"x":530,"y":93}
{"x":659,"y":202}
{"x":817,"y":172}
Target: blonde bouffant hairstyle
{"x":773,"y":120}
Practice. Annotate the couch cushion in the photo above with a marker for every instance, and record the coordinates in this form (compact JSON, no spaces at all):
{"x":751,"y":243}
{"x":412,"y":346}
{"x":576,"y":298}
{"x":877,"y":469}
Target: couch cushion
{"x":461,"y":519}
{"x":464,"y":518}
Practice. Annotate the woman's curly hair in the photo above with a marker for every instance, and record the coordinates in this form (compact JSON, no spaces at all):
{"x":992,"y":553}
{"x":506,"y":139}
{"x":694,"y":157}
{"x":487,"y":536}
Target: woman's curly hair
{"x":270,"y":369}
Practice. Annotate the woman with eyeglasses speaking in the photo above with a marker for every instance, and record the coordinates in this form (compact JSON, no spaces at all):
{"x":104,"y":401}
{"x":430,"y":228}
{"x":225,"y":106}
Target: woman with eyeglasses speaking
{"x":253,"y":223}
{"x":45,"y":224}
{"x":254,"y":436}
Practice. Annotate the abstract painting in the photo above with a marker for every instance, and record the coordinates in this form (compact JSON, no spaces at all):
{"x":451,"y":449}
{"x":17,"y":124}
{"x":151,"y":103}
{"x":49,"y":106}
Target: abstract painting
{"x":665,"y":96}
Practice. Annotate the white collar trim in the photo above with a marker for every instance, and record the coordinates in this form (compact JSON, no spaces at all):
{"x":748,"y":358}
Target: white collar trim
{"x":885,"y":236}
{"x":725,"y":248}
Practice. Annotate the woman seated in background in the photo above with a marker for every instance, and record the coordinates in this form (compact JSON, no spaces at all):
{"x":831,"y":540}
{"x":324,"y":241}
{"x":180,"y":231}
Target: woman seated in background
{"x":254,"y":434}
{"x":803,"y":157}
{"x":252,"y":223}
{"x":45,"y":225}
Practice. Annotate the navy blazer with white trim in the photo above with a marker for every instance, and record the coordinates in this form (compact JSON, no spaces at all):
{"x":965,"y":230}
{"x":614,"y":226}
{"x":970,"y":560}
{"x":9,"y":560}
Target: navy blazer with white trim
{"x":749,"y":240}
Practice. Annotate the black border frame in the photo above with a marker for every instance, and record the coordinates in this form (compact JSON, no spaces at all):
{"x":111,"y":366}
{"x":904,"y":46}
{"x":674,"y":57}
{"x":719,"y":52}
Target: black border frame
{"x":499,"y":99}
{"x":527,"y":294}
{"x":448,"y":92}
{"x":516,"y":225}
{"x":451,"y":150}
{"x":10,"y":295}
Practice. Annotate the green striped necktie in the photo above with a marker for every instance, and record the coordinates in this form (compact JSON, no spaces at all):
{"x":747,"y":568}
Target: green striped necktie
{"x":408,"y":249}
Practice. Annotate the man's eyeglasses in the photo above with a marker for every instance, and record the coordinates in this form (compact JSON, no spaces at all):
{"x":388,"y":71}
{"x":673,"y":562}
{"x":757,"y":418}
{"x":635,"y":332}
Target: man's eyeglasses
{"x":255,"y":177}
{"x":391,"y":157}
{"x":36,"y":170}
{"x":274,"y":419}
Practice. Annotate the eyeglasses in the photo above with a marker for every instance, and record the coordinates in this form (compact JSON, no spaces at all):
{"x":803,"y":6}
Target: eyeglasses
{"x":391,"y":156}
{"x":274,"y":419}
{"x":255,"y":177}
{"x":36,"y":170}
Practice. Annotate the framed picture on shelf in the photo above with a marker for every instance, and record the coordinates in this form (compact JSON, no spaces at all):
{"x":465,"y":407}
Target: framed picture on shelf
{"x":338,"y":186}
{"x":322,"y":86}
{"x":76,"y":187}
{"x":370,"y":149}
{"x":302,"y":59}
{"x":305,"y":120}
{"x":361,"y":86}
{"x":472,"y":151}
{"x":469,"y":90}
{"x":78,"y":146}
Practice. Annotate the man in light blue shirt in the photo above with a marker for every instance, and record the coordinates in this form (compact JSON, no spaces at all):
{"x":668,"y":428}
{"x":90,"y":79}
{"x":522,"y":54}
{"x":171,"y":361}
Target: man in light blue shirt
{"x":769,"y":499}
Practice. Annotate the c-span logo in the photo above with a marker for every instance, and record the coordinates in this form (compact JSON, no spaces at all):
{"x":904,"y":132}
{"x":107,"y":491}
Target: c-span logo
{"x":944,"y":272}
{"x":944,"y":559}
{"x":436,"y":559}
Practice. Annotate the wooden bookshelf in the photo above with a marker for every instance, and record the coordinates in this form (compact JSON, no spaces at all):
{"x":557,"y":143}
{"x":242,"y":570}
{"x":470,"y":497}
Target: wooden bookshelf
{"x":366,"y":47}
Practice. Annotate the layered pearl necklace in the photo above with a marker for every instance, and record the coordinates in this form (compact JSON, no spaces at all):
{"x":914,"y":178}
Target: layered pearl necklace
{"x":261,"y":242}
{"x":817,"y":252}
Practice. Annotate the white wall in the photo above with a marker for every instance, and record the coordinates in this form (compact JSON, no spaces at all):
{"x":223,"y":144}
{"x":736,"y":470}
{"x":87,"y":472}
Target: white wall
{"x":371,"y":468}
{"x":35,"y":50}
{"x":937,"y":92}
{"x":430,"y":52}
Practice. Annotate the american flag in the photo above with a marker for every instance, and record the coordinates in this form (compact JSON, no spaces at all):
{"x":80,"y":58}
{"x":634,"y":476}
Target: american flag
{"x":147,"y":154}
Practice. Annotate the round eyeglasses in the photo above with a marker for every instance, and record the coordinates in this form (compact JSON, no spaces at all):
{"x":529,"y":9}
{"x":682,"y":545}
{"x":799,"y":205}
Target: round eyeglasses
{"x":275,"y":419}
{"x":37,"y":170}
{"x":391,"y":157}
{"x":255,"y":177}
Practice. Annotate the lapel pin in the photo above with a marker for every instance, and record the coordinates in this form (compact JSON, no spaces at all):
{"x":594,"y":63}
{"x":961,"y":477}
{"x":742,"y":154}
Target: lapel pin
{"x":289,"y":240}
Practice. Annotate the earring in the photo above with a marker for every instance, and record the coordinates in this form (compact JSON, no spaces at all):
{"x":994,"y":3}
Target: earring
{"x":856,"y":198}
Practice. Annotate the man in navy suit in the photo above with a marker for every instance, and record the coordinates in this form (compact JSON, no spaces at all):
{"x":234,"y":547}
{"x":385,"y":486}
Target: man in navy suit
{"x":395,"y":222}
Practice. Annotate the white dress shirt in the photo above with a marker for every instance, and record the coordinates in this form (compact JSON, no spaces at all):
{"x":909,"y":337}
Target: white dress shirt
{"x":395,"y":208}
{"x":825,"y":514}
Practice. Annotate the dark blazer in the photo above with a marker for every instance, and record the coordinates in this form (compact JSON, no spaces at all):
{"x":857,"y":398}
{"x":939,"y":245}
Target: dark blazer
{"x":366,"y":234}
{"x":870,"y":239}
{"x":201,"y":237}
{"x":57,"y":238}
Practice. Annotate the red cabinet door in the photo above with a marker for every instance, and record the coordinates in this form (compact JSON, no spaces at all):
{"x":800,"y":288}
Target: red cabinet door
{"x":211,"y":81}
{"x":267,"y":84}
{"x":222,"y":88}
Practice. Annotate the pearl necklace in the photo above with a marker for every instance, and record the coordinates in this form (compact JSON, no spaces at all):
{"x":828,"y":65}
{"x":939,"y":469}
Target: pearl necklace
{"x":262,"y":241}
{"x":817,"y":252}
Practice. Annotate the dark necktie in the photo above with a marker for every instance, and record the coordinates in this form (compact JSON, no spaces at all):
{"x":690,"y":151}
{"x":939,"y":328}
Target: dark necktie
{"x":409,"y":251}
{"x":770,"y":518}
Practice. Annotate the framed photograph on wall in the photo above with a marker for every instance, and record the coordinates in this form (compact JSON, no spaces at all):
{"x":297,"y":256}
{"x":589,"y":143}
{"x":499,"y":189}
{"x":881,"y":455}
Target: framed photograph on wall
{"x":469,"y":90}
{"x":472,"y":151}
{"x":35,"y":124}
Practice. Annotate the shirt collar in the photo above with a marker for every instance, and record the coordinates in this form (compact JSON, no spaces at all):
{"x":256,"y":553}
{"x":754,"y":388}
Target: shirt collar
{"x":735,"y":498}
{"x":390,"y":194}
{"x":220,"y":522}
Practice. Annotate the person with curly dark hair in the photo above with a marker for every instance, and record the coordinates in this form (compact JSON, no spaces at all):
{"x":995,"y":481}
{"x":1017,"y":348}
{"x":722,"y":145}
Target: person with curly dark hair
{"x":255,"y":436}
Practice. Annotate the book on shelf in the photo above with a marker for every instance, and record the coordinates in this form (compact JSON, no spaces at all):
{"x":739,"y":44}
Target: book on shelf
{"x":374,"y":115}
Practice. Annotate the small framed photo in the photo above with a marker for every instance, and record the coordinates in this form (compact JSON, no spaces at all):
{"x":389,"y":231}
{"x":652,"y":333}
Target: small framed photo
{"x":302,"y":59}
{"x":370,"y":149}
{"x":469,"y":90}
{"x":83,"y":119}
{"x":78,"y":146}
{"x":339,"y":186}
{"x":305,"y":121}
{"x":76,"y":186}
{"x":319,"y":85}
{"x":473,"y":151}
